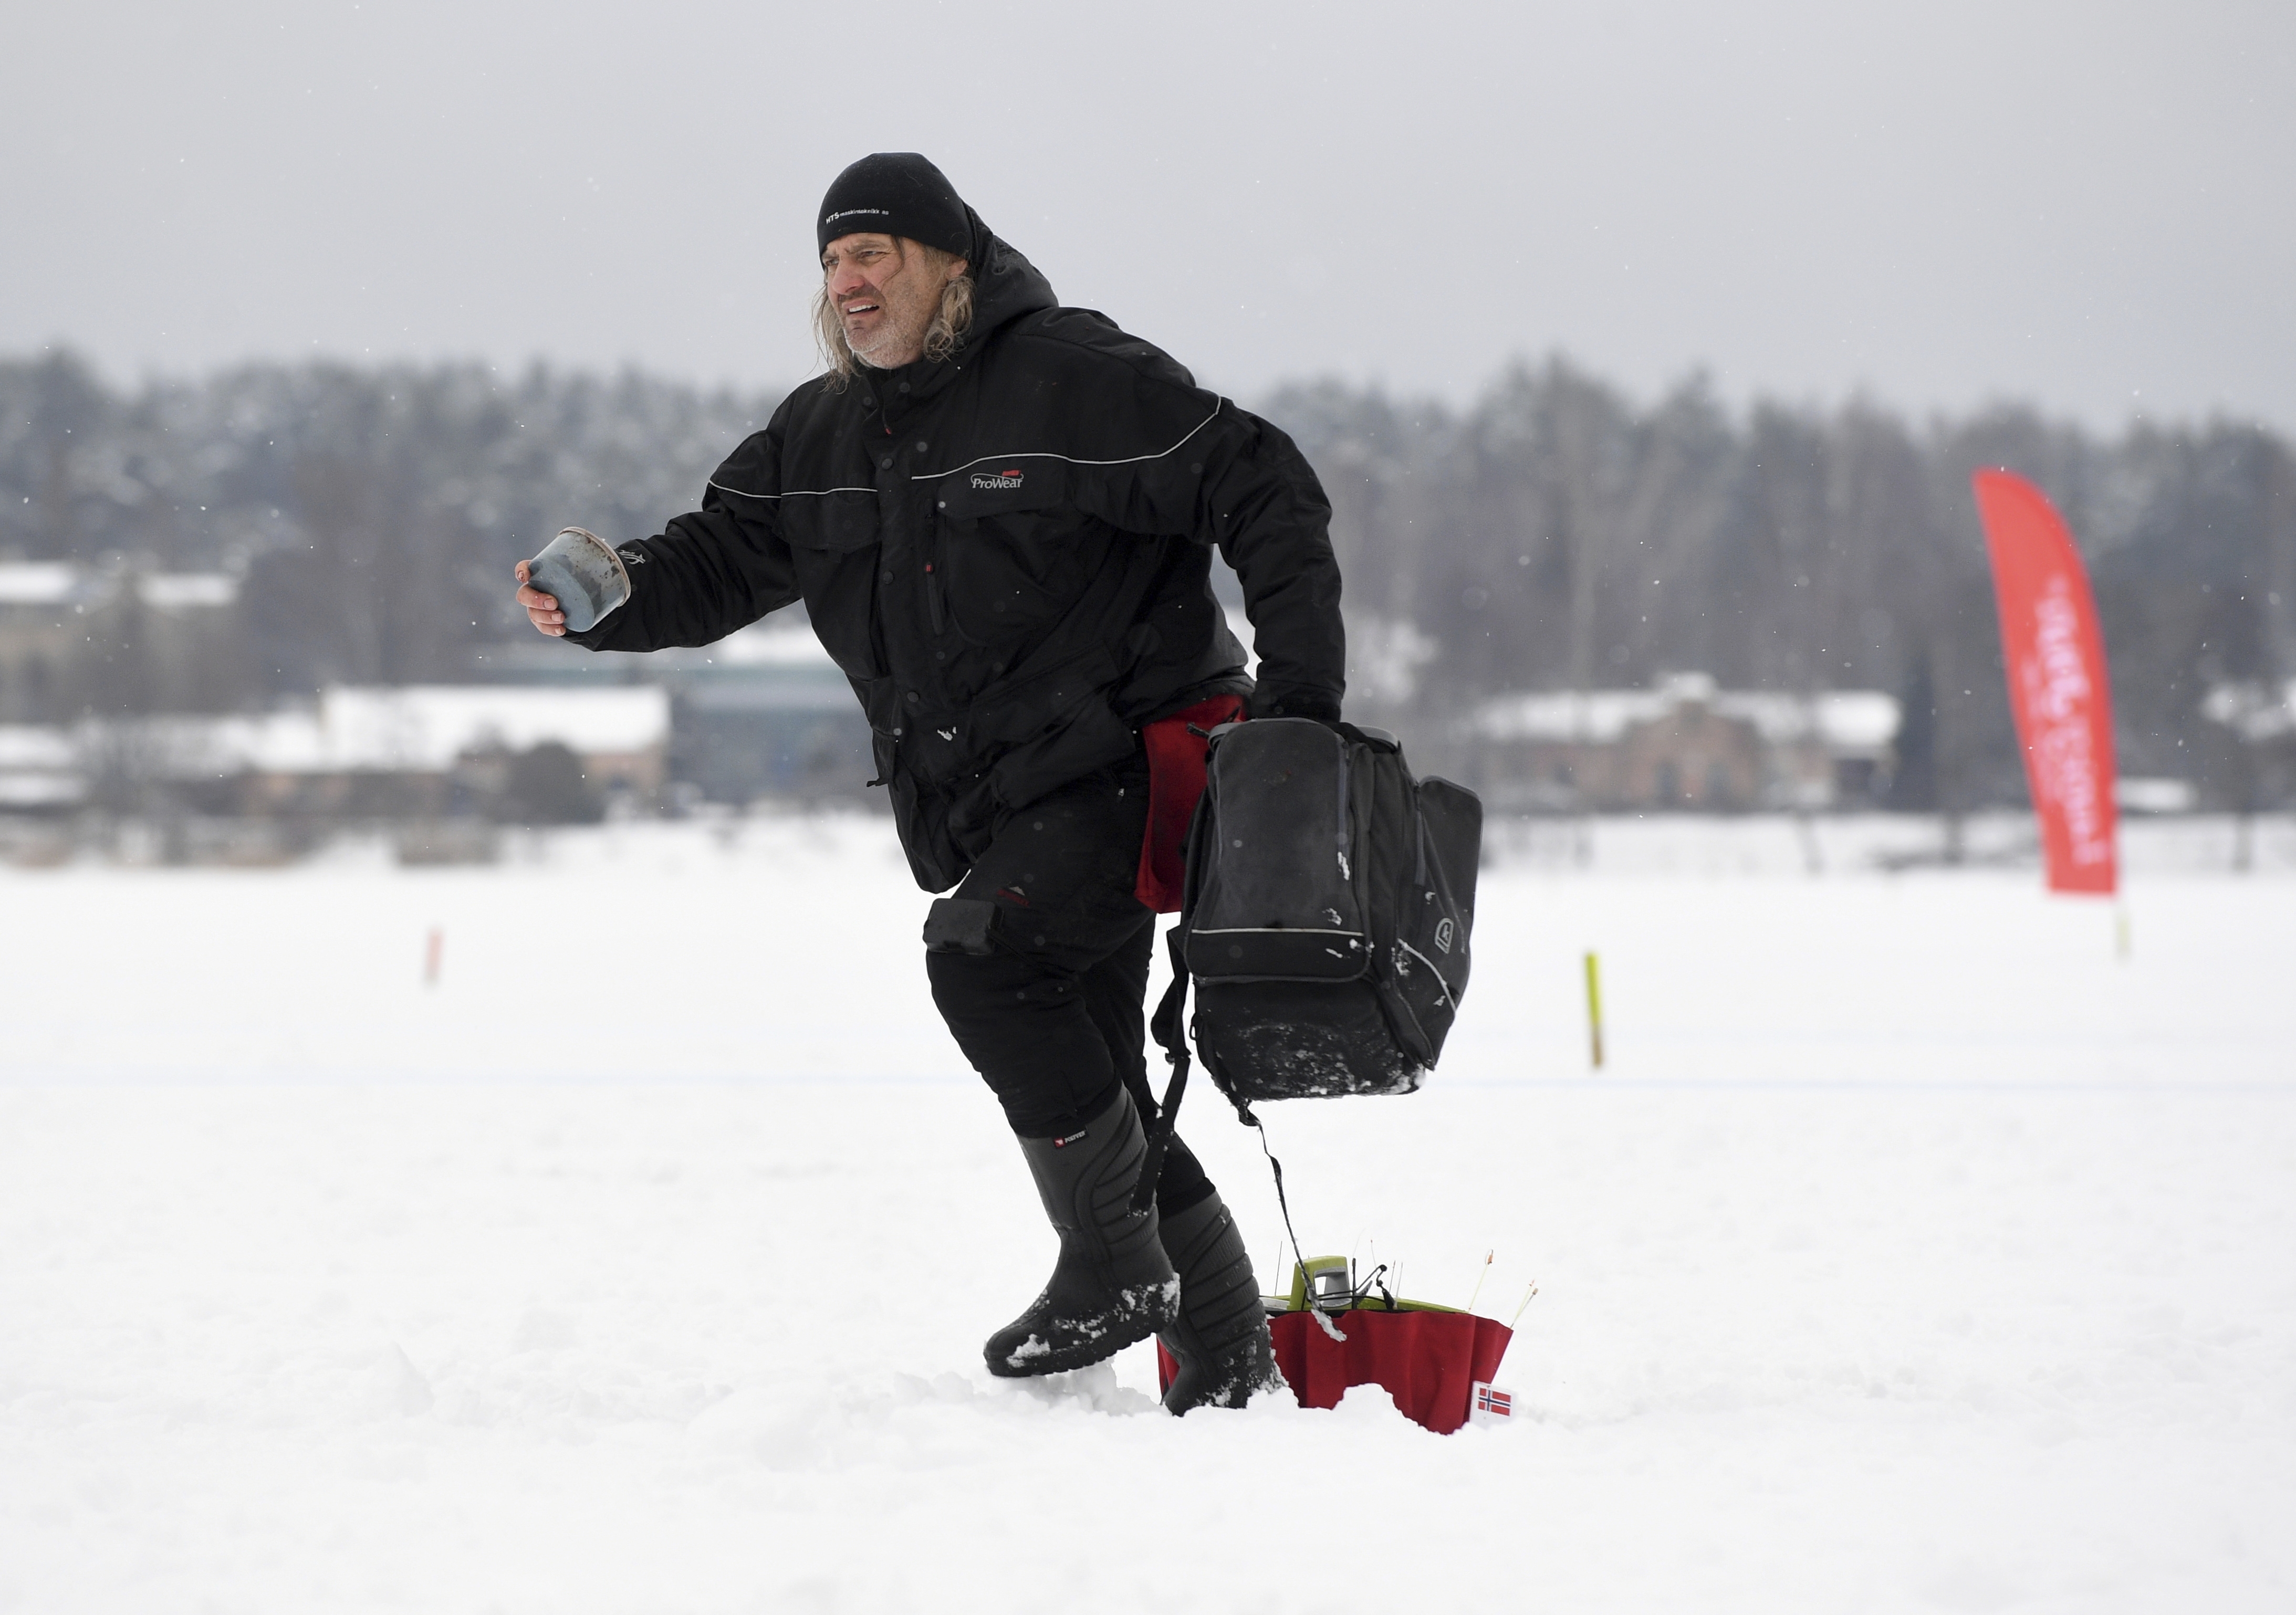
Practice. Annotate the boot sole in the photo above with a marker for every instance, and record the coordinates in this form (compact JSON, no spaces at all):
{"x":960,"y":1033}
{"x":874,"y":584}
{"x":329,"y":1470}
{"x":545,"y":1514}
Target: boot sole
{"x":1125,"y":1330}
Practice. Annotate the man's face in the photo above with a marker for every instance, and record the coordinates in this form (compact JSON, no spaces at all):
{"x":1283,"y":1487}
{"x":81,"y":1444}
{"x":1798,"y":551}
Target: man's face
{"x":885,"y":292}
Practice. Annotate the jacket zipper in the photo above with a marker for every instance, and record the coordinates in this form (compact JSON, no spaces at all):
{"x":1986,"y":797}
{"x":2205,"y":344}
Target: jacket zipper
{"x":935,"y":605}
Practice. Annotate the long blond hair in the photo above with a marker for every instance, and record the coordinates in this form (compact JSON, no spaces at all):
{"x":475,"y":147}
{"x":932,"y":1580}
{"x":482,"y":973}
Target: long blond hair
{"x":949,"y":322}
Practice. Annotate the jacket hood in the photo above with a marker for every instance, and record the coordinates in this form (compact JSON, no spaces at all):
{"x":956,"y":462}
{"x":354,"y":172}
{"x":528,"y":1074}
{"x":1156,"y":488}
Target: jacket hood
{"x":1005,"y":286}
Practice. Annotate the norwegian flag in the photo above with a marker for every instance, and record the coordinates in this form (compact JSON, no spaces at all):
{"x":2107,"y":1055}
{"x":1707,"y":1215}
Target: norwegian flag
{"x":1491,"y":1404}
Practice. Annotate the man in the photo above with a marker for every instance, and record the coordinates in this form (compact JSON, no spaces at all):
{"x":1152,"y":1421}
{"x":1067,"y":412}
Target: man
{"x":999,"y":514}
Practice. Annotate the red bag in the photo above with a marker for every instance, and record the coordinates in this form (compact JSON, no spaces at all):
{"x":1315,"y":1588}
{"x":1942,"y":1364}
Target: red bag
{"x":1428,"y":1361}
{"x":1175,"y":783}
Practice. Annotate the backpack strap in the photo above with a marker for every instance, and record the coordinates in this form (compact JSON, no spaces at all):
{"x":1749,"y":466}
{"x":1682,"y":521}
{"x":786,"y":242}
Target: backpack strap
{"x":1165,"y":1028}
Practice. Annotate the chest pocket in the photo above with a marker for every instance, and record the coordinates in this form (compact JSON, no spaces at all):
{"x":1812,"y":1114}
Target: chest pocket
{"x":1013,"y":552}
{"x":834,"y":523}
{"x":833,"y":547}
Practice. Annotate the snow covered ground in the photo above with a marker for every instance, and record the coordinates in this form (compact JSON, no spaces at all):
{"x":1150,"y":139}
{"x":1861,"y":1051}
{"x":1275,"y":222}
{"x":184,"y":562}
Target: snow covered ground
{"x":1912,"y":1252}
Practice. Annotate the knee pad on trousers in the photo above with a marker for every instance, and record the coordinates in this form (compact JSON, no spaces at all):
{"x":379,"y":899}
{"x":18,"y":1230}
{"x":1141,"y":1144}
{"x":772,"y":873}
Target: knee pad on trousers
{"x":1028,"y":1035}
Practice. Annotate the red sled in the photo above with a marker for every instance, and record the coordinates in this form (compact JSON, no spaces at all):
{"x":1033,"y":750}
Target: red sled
{"x":1428,"y":1362}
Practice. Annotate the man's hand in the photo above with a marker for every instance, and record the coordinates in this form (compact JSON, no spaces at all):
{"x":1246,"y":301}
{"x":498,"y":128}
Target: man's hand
{"x":541,"y":608}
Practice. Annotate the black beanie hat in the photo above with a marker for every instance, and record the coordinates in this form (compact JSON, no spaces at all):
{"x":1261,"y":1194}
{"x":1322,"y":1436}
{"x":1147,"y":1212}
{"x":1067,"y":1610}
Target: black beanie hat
{"x":896,"y":193}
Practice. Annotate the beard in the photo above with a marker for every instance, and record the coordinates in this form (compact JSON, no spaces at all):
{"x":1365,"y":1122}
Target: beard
{"x":905,"y":314}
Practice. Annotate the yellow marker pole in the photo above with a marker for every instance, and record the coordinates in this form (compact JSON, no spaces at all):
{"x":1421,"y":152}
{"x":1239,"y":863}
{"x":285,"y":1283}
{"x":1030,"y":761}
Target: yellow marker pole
{"x":2120,"y":931}
{"x":1595,"y":1007}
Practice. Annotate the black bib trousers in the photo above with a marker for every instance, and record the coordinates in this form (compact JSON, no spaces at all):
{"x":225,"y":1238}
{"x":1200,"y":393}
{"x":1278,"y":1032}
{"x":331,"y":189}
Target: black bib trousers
{"x":1054,"y":1016}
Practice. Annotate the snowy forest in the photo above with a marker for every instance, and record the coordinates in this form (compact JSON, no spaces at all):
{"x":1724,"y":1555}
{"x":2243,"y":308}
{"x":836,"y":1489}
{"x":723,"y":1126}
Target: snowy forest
{"x":1554,"y":533}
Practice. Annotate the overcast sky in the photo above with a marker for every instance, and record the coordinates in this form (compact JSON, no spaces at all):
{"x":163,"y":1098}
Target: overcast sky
{"x":2089,"y":205}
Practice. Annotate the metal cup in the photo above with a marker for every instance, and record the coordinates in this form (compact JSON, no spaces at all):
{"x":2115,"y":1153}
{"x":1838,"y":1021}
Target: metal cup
{"x":580,"y":570}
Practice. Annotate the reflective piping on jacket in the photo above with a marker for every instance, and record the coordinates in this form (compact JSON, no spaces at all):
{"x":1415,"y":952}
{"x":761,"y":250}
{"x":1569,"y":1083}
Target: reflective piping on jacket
{"x":1041,"y":453}
{"x":795,"y":493}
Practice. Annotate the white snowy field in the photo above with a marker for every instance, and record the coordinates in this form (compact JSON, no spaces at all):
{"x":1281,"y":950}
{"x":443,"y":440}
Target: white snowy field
{"x":1913,"y":1252}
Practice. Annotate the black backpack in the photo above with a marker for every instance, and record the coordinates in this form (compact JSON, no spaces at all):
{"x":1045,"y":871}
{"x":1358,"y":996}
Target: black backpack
{"x":1325,"y":918}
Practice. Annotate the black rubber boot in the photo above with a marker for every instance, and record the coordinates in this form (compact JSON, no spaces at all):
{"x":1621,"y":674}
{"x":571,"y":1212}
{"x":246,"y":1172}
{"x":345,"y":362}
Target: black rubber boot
{"x":1221,"y":1336}
{"x":1112,"y":1284}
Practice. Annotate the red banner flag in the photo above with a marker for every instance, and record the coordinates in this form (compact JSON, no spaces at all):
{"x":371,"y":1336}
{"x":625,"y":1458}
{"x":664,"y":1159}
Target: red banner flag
{"x":2054,"y":655}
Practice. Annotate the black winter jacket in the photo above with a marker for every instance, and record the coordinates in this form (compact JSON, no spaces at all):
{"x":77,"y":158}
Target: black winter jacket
{"x":1009,"y":555}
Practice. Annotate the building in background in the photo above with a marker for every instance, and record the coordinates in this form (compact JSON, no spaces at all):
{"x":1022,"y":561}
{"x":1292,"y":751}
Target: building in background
{"x":762,"y":714}
{"x":41,"y":604}
{"x":40,"y":770}
{"x":422,"y":752}
{"x":433,"y":751}
{"x":127,"y":691}
{"x":77,"y":639}
{"x":1685,"y":747}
